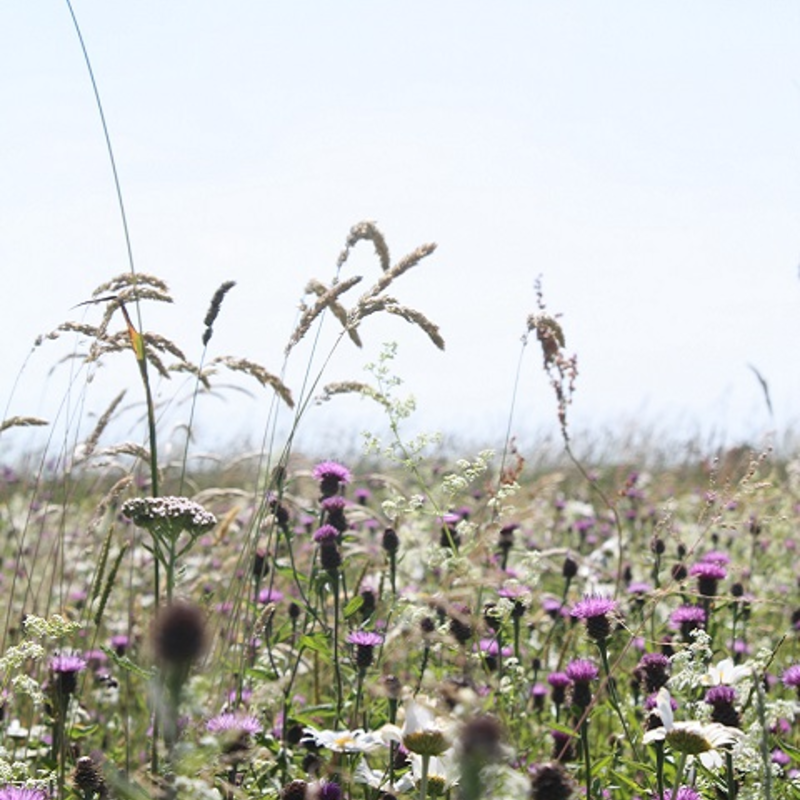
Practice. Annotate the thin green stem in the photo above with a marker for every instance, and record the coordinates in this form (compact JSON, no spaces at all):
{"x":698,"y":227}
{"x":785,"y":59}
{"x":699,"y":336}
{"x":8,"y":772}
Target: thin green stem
{"x":678,"y":774}
{"x":613,"y":697}
{"x":587,"y":758}
{"x":423,"y":782}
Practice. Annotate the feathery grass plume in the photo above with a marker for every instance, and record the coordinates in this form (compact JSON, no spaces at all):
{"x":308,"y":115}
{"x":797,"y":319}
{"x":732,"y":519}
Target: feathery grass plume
{"x":91,"y":442}
{"x":372,"y":305}
{"x":419,"y":319}
{"x":91,"y":331}
{"x":120,"y":343}
{"x":128,"y":279}
{"x":21,"y":422}
{"x":323,"y":302}
{"x":402,"y":266}
{"x":202,"y":375}
{"x":352,"y":387}
{"x":259,"y":373}
{"x":366,"y":231}
{"x":125,"y":449}
{"x":213,"y":310}
{"x":337,"y":309}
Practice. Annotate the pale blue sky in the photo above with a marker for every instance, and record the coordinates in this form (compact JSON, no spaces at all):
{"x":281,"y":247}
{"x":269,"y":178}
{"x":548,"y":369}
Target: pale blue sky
{"x":644,"y":158}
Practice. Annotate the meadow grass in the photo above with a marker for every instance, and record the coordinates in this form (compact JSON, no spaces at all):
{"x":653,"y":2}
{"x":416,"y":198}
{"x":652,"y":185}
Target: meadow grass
{"x":405,"y":622}
{"x":414,"y":622}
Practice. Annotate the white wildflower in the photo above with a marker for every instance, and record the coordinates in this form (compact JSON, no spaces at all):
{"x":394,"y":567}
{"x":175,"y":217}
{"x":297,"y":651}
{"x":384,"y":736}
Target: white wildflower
{"x":691,"y":737}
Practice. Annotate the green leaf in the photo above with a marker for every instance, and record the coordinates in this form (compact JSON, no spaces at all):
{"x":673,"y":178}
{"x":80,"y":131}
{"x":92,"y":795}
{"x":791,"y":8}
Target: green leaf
{"x":353,"y":606}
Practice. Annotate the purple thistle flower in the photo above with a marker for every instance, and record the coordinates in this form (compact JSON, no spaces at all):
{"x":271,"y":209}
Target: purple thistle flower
{"x":716,"y":557}
{"x":582,"y":672}
{"x":791,"y":678}
{"x":652,"y":671}
{"x":237,"y":722}
{"x":328,"y":790}
{"x":595,"y":610}
{"x":639,"y":588}
{"x":325,"y":533}
{"x":559,"y":683}
{"x":365,"y":638}
{"x":365,"y":643}
{"x":708,"y":574}
{"x":780,"y":757}
{"x":491,"y":651}
{"x":270,"y":596}
{"x":334,"y":512}
{"x":21,"y":793}
{"x":554,"y":608}
{"x":721,"y":698}
{"x":683,"y":793}
{"x":362,"y":495}
{"x":688,"y":618}
{"x":331,"y":475}
{"x":67,"y":664}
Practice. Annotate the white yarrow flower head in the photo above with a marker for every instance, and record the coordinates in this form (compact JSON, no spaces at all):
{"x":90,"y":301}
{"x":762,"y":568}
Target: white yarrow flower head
{"x":357,"y":741}
{"x":726,"y":673}
{"x":691,"y":738}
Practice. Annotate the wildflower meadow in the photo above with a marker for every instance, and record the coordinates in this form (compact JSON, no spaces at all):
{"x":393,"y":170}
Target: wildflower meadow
{"x":407,"y":622}
{"x":398,"y":620}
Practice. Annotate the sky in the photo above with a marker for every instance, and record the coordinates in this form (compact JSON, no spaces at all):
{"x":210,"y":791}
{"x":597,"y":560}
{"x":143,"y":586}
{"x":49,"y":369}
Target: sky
{"x":642,"y":159}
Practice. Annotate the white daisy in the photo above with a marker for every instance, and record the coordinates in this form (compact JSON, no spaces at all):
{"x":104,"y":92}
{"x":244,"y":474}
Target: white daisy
{"x":357,"y":741}
{"x":726,"y":673}
{"x":443,"y":772}
{"x":423,"y":731}
{"x":691,"y":738}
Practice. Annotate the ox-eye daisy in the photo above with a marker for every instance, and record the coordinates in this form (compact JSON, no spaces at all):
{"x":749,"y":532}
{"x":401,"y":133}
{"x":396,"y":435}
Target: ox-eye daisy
{"x":691,"y":738}
{"x":357,"y":741}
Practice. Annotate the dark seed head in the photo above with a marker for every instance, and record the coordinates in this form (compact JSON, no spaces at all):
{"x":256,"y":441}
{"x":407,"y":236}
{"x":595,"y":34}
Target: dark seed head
{"x":179,"y":635}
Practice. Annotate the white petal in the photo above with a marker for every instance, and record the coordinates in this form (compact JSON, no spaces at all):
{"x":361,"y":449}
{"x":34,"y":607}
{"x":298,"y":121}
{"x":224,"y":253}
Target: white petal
{"x":664,"y":706}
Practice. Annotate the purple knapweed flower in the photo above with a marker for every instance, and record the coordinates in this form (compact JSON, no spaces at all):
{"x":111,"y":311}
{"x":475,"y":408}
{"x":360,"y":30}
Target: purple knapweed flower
{"x":688,"y":618}
{"x":328,"y":790}
{"x":596,"y":611}
{"x":325,"y":533}
{"x":270,"y":596}
{"x":331,"y":476}
{"x":120,"y":643}
{"x":365,"y":643}
{"x":582,"y":672}
{"x":781,"y":758}
{"x":708,"y":574}
{"x":67,"y":664}
{"x":652,"y":671}
{"x":716,"y":557}
{"x":559,"y":683}
{"x":683,"y":793}
{"x":490,"y":650}
{"x":791,"y":678}
{"x":236,"y":722}
{"x":65,"y":669}
{"x":21,"y":793}
{"x":721,"y":699}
